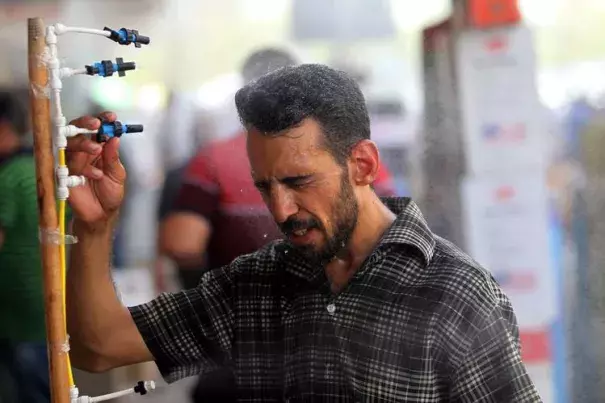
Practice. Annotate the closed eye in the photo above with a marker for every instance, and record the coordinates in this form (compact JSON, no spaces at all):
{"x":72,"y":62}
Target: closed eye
{"x":297,"y":182}
{"x":293,"y":182}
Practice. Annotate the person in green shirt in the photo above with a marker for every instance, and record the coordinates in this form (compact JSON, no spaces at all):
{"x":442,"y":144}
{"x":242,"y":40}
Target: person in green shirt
{"x":23,"y":355}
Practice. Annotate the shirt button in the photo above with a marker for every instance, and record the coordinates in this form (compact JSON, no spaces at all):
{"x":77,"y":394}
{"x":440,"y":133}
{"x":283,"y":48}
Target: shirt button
{"x":331,"y":309}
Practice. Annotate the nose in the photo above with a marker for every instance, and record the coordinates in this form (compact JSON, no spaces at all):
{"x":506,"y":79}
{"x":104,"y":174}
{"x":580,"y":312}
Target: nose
{"x":282,"y":204}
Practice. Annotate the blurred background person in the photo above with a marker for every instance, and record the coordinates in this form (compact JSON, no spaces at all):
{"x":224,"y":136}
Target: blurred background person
{"x":23,"y":358}
{"x":194,"y":122}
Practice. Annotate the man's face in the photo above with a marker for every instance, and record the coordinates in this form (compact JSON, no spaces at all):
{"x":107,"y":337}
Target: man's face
{"x":308,"y":193}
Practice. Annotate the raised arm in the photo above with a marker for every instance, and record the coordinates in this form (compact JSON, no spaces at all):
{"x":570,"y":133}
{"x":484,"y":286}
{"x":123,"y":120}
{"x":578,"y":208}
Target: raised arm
{"x":102,"y":332}
{"x":183,"y":332}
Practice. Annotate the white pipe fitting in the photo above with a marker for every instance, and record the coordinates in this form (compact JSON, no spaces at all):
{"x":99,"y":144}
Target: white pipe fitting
{"x":75,"y":180}
{"x":70,"y":131}
{"x":73,"y":394}
{"x":62,"y":189}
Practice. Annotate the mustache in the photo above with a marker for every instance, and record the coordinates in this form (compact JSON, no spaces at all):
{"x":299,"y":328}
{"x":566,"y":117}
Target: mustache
{"x":292,"y":225}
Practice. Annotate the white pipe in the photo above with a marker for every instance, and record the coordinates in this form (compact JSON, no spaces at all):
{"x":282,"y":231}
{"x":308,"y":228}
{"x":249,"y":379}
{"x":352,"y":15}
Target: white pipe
{"x":62,"y":29}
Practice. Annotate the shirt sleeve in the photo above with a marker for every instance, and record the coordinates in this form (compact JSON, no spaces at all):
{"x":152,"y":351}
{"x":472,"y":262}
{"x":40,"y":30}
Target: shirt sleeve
{"x":199,"y":191}
{"x":8,"y":202}
{"x":190,"y":332}
{"x":492,"y":370}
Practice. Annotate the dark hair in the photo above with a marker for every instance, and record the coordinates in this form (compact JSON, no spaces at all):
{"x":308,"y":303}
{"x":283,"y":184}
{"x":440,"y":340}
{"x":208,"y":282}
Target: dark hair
{"x":266,"y":60}
{"x":14,"y":110}
{"x":282,"y":99}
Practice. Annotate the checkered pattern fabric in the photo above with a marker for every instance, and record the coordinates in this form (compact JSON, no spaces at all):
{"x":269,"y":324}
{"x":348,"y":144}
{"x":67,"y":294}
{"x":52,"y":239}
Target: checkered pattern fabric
{"x":419,"y":322}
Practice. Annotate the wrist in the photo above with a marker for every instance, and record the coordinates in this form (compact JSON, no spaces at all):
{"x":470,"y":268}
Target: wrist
{"x":97,"y":228}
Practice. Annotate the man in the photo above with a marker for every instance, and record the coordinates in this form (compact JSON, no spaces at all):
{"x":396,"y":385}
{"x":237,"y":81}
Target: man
{"x":218,"y":214}
{"x":23,"y":358}
{"x":361,"y":302}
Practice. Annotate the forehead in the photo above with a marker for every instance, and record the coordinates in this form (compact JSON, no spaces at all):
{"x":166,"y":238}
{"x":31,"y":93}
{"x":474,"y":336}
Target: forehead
{"x":300,"y":150}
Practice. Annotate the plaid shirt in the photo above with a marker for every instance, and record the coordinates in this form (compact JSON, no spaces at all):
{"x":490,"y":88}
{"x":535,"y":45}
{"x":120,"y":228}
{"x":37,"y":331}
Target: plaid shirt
{"x":419,"y":322}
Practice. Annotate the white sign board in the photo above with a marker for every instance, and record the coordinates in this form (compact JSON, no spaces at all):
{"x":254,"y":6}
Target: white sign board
{"x":507,"y":231}
{"x":504,"y":197}
{"x":502,"y":118}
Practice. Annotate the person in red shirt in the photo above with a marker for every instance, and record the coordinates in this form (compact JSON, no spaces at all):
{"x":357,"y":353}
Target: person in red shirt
{"x":218,"y":214}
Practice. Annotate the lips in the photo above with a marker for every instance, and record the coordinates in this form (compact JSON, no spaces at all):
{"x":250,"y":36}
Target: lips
{"x":300,"y":231}
{"x":302,"y":236}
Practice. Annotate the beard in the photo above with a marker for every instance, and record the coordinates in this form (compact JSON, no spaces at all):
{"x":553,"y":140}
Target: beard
{"x":345,"y":211}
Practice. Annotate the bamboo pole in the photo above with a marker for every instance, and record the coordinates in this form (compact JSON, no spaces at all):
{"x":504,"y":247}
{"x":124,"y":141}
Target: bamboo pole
{"x":47,"y":208}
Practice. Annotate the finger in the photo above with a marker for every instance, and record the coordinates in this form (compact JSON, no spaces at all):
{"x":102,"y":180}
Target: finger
{"x":111,"y":160}
{"x":108,"y":116}
{"x":81,"y":143}
{"x":78,"y":162}
{"x":92,"y":172}
{"x":87,"y":122}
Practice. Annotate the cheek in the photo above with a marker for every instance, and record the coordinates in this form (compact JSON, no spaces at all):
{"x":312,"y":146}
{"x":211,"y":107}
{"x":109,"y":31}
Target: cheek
{"x":317,"y":198}
{"x":320,"y":198}
{"x":321,"y":207}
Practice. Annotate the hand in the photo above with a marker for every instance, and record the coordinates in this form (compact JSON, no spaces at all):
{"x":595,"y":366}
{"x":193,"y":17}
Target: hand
{"x":98,"y":201}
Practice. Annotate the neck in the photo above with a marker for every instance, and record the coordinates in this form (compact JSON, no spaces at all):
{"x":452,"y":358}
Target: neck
{"x":373,"y":220}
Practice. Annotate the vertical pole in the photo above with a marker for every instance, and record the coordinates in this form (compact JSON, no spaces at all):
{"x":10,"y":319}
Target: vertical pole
{"x":47,"y":208}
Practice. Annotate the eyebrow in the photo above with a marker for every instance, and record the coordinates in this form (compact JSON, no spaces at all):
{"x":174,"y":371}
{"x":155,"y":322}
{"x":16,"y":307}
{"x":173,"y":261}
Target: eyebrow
{"x":288,"y":180}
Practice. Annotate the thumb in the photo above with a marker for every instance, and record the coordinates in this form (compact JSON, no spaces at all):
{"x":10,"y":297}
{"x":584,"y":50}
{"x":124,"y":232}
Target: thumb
{"x":112,"y":166}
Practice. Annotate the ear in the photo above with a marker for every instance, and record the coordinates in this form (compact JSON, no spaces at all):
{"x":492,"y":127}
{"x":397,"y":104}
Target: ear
{"x":364,"y":161}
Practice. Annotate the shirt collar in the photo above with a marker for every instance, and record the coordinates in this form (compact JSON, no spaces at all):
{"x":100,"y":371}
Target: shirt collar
{"x":409,"y":229}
